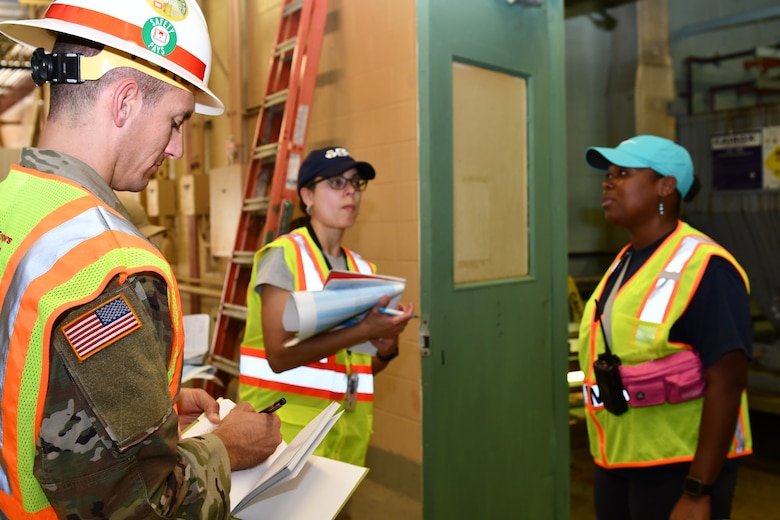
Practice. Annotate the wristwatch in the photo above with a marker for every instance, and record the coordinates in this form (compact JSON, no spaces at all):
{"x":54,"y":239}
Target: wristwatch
{"x":389,"y":357}
{"x":696,"y":487}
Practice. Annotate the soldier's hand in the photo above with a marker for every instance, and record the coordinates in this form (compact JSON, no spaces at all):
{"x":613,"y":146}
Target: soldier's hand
{"x":194,"y":401}
{"x":250,"y":437}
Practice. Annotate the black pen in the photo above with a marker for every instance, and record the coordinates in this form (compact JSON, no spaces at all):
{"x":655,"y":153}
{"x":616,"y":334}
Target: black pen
{"x":272,"y":408}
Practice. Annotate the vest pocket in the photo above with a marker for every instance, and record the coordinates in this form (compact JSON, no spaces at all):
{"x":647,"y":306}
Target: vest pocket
{"x":673,"y":379}
{"x":643,"y":392}
{"x":686,"y":385}
{"x":637,"y":341}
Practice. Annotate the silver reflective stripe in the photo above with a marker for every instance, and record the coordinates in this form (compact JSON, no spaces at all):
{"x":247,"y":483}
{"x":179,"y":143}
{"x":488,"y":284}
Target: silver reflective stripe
{"x":655,"y":307}
{"x":740,"y":437}
{"x":305,"y":376}
{"x":310,"y":273}
{"x":362,"y":265}
{"x":36,"y":262}
{"x":5,"y":485}
{"x":658,"y":302}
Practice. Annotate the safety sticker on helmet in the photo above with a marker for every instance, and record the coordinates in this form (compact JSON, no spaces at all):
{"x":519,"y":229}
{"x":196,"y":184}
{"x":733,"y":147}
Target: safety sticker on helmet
{"x":175,"y":10}
{"x":159,"y":36}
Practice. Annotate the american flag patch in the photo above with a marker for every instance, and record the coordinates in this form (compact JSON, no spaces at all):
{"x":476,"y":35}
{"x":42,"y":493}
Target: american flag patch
{"x":100,"y":327}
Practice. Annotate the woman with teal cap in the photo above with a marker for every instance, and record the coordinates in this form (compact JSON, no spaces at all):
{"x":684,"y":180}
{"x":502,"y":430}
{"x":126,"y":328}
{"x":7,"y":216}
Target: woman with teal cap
{"x":665,"y":343}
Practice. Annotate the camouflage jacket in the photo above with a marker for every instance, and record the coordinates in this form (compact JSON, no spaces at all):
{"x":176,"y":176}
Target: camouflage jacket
{"x":108,"y":444}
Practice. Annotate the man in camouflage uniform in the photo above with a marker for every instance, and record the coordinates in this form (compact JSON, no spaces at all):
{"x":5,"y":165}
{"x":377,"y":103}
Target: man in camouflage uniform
{"x":104,"y":407}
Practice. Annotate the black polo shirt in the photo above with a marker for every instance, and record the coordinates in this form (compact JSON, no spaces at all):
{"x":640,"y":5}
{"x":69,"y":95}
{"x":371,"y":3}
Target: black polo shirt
{"x":717,"y":319}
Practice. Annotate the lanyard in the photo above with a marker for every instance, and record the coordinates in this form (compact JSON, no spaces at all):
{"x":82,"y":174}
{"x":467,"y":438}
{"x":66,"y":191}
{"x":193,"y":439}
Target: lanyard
{"x":330,"y":268}
{"x":605,"y":313}
{"x":319,"y":246}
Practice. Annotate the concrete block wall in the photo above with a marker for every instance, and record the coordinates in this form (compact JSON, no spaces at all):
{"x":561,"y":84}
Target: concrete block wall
{"x":366,"y":101}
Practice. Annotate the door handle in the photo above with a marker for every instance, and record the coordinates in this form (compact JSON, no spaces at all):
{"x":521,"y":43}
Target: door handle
{"x":424,"y":339}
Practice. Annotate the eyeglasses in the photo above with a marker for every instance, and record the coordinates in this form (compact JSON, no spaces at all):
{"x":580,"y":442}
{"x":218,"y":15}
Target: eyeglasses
{"x":339,"y":182}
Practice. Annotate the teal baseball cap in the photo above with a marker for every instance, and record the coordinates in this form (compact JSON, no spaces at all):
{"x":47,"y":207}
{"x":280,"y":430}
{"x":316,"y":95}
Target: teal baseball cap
{"x":647,"y":151}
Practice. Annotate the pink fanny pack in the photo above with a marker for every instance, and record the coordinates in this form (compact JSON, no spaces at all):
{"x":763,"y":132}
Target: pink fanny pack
{"x":676,"y":378}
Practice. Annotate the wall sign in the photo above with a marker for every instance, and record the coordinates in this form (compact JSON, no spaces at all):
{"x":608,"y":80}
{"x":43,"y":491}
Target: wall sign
{"x":771,"y":157}
{"x":737,"y":160}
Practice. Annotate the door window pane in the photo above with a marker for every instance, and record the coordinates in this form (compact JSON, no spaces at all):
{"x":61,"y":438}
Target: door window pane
{"x":490,"y":174}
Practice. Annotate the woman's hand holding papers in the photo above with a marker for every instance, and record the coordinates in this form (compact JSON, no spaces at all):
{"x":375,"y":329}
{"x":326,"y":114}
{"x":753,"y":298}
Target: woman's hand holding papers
{"x":378,"y":326}
{"x":383,"y":329}
{"x":386,"y":327}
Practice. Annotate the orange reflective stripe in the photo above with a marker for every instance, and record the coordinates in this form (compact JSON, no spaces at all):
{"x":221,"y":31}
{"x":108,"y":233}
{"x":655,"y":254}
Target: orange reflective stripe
{"x":360,"y":369}
{"x":124,"y":30}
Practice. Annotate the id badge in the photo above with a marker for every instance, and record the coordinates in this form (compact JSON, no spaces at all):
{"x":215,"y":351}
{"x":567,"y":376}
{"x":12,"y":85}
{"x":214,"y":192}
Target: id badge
{"x":350,"y":399}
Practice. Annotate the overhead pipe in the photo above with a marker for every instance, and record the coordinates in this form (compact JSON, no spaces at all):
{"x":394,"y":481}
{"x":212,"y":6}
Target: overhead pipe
{"x":758,"y":15}
{"x":690,"y":61}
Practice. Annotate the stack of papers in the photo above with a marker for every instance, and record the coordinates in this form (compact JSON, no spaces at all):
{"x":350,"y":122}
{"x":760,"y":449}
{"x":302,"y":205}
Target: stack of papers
{"x":344,"y":299}
{"x":249,"y":487}
{"x":196,"y":349}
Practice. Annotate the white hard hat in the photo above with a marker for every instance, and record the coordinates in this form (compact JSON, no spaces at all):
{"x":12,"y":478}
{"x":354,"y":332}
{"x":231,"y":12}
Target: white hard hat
{"x":171,"y":34}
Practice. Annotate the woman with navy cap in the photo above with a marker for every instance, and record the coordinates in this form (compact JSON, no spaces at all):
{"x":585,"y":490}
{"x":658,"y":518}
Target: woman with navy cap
{"x":665,"y":343}
{"x":319,"y":369}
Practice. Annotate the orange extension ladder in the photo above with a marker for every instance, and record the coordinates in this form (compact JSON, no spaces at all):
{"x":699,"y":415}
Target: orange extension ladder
{"x":270,"y":190}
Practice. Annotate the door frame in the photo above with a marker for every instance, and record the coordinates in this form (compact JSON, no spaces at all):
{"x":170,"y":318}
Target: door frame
{"x":443,"y":27}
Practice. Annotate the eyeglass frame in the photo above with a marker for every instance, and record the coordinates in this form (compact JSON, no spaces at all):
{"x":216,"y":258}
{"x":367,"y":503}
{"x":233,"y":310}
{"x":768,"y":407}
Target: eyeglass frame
{"x":361,"y":185}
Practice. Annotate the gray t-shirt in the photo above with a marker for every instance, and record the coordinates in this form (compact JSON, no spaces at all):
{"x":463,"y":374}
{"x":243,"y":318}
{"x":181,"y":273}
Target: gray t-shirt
{"x":273,"y":269}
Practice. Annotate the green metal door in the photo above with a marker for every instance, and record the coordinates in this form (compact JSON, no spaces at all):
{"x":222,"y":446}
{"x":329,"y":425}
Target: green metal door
{"x":493,"y":259}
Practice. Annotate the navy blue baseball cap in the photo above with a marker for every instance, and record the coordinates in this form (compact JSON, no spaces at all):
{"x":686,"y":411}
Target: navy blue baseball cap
{"x":330,"y":162}
{"x":647,"y":151}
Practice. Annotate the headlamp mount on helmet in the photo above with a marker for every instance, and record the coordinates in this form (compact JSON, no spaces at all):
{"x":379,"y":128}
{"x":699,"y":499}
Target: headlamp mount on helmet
{"x":55,"y":67}
{"x":71,"y":67}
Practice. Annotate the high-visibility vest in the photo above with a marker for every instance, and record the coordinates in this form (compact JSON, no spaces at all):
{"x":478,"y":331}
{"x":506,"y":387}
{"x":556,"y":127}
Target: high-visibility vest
{"x":54,"y":257}
{"x":644,"y":311}
{"x":308,"y":389}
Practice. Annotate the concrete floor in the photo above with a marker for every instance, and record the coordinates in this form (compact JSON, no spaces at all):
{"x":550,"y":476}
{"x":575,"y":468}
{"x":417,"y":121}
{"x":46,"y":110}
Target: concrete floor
{"x":757,"y":495}
{"x":373,"y":501}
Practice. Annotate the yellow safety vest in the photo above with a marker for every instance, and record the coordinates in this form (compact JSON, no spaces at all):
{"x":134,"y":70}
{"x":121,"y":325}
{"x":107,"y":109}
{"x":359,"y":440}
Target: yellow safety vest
{"x":54,"y":257}
{"x":308,"y":389}
{"x":644,"y":310}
